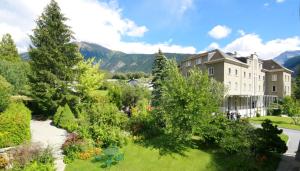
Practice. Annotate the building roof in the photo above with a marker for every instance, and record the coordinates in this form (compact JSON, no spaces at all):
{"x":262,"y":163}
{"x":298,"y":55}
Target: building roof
{"x":273,"y":65}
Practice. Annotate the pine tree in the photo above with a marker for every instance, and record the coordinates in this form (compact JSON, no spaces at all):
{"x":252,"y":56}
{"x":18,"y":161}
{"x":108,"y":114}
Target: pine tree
{"x":54,"y":59}
{"x":158,"y":76}
{"x":8,"y":49}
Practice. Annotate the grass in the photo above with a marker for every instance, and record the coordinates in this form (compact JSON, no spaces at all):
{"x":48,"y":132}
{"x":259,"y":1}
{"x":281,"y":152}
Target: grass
{"x":283,"y":122}
{"x":141,"y":158}
{"x":138,"y":157}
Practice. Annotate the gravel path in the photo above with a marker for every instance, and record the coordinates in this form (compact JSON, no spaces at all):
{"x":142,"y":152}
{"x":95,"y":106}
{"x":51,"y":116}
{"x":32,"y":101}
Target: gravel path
{"x":48,"y":135}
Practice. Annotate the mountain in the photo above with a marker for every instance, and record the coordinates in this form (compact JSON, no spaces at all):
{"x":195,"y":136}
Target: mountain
{"x":283,"y":57}
{"x":116,"y":61}
{"x":293,"y":64}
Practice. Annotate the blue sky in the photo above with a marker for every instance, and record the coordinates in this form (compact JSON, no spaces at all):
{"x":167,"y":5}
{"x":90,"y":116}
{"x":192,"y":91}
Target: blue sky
{"x":268,"y":27}
{"x":269,"y":19}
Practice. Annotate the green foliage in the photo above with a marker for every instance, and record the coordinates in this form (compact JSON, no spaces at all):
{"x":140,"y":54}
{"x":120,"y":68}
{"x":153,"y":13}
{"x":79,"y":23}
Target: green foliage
{"x":231,"y":136}
{"x":291,"y":107}
{"x":65,"y":118}
{"x":16,"y":74}
{"x":106,"y":123}
{"x":14,"y":125}
{"x":110,"y":156}
{"x":8,"y":49}
{"x":53,"y":61}
{"x":267,"y":139}
{"x":5,"y":92}
{"x":124,"y":95}
{"x":90,"y":78}
{"x":158,"y":72}
{"x":185,"y":104}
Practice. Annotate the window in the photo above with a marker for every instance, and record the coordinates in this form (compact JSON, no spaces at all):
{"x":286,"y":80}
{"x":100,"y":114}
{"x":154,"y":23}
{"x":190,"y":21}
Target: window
{"x":263,"y":77}
{"x":198,"y":61}
{"x":249,"y":75}
{"x":244,"y":74}
{"x":229,"y":84}
{"x":274,"y":77}
{"x":229,"y":71}
{"x":188,"y":63}
{"x":245,"y":87}
{"x":236,"y":72}
{"x":211,"y":71}
{"x":259,"y":88}
{"x":249,"y":87}
{"x":236,"y":85}
{"x":274,"y":89}
{"x":258,"y":77}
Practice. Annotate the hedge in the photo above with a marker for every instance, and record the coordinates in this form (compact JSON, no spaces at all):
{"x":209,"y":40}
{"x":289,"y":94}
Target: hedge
{"x":14,"y":125}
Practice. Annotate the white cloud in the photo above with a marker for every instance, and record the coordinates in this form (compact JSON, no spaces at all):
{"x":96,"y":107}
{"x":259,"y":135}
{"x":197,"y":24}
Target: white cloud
{"x":280,"y":1}
{"x":250,"y":43}
{"x":178,"y":7}
{"x":219,"y":32}
{"x":212,"y":46}
{"x":91,"y":20}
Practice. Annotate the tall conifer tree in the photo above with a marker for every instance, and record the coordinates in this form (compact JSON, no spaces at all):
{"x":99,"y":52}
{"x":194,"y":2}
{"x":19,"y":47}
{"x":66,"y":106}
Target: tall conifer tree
{"x":158,"y":68}
{"x":54,"y":59}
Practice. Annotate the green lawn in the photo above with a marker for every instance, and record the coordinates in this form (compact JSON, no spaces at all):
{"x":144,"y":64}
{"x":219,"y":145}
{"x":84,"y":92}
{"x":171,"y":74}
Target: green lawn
{"x":283,"y":122}
{"x":139,"y":158}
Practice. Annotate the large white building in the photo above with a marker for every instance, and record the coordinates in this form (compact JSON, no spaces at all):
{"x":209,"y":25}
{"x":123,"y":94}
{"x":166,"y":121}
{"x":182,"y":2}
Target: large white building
{"x":252,"y":83}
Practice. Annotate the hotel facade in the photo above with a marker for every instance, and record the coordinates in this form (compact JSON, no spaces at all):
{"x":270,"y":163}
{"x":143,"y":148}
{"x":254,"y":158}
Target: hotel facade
{"x":252,"y":84}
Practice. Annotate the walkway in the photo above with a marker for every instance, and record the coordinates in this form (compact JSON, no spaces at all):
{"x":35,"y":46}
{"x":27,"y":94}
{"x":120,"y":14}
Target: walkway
{"x":290,"y":161}
{"x":47,"y":135}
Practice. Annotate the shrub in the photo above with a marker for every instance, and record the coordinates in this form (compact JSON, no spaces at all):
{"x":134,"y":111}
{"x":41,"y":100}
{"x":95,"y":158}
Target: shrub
{"x":65,"y":119}
{"x":106,"y":124}
{"x":31,"y":157}
{"x":14,"y":125}
{"x":5,"y":90}
{"x":267,"y":139}
{"x":3,"y":161}
{"x":77,"y":147}
{"x":16,"y":74}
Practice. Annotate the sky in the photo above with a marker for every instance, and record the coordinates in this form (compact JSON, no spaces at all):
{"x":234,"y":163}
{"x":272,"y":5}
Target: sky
{"x":267,"y":27}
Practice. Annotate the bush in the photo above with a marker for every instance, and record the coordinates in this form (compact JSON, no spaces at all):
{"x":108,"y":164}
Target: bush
{"x":31,"y":157}
{"x":267,"y":139}
{"x":64,"y":118}
{"x":77,"y":147}
{"x":106,"y":124}
{"x":5,"y":91}
{"x":14,"y":125}
{"x":16,"y":74}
